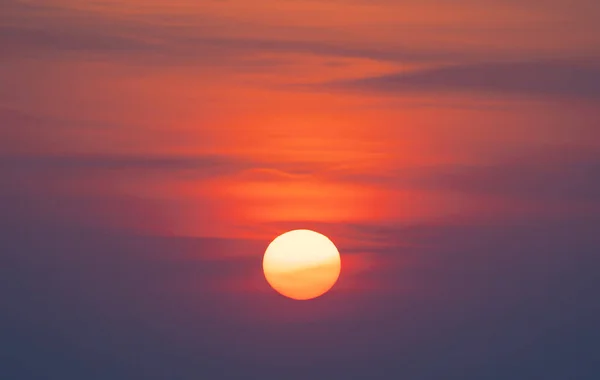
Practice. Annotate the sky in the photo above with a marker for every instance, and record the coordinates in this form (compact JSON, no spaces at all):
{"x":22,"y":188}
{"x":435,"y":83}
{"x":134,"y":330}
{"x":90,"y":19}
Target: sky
{"x":151,"y":149}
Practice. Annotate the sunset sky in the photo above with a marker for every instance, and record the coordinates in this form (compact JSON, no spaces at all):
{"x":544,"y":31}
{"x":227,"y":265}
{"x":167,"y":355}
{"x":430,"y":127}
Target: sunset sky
{"x":151,"y":149}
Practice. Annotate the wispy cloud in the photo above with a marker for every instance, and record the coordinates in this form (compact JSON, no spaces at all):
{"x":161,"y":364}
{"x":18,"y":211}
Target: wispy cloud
{"x":24,"y":39}
{"x":170,"y":45}
{"x":200,"y":166}
{"x":552,"y":174}
{"x":35,"y":29}
{"x":579,"y":79}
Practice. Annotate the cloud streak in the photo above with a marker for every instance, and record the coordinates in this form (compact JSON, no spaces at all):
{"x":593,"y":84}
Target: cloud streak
{"x":26,"y":172}
{"x":31,"y":30}
{"x":565,"y":173}
{"x":179,"y":47}
{"x":571,"y":79}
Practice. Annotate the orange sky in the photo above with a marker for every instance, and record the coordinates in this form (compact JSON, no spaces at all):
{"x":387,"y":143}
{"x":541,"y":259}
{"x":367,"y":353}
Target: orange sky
{"x":250,"y":85}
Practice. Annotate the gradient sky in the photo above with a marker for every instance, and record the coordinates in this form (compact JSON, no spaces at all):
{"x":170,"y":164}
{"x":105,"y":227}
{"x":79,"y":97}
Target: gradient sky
{"x":151,"y":149}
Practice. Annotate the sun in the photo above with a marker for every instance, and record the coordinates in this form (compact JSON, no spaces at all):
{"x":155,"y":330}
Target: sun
{"x":302,"y":264}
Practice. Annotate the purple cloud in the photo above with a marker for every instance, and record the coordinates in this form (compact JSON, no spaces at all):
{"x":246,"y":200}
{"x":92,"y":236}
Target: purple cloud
{"x":570,"y":79}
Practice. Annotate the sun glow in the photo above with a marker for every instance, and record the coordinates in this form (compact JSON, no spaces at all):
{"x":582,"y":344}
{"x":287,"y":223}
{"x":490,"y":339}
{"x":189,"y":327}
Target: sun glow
{"x":302,"y":264}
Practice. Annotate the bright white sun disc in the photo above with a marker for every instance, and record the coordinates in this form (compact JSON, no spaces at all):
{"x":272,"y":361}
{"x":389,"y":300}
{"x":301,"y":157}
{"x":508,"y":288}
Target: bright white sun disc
{"x":302,"y":264}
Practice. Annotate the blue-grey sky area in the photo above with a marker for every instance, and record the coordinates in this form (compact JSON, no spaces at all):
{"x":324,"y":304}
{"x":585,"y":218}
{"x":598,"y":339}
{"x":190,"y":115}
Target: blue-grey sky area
{"x":151,"y":149}
{"x":519,"y":303}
